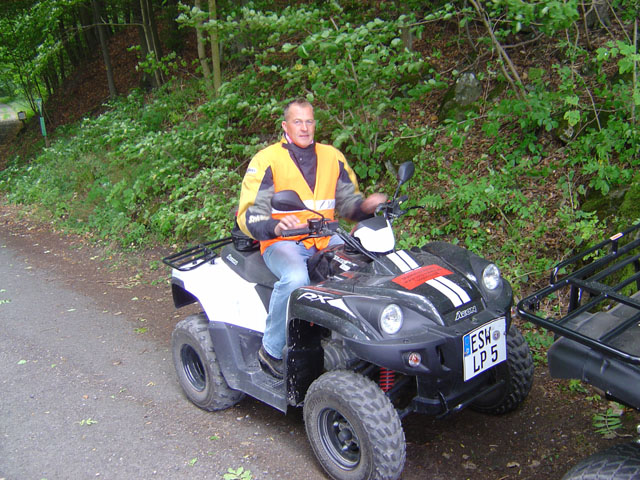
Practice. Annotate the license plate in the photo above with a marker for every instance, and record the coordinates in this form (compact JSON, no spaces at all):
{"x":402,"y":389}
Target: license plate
{"x":484,"y":347}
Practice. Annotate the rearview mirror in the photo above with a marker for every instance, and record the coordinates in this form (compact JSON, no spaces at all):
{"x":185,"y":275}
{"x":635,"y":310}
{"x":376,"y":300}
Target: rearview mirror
{"x":287,"y":201}
{"x":405,"y":172}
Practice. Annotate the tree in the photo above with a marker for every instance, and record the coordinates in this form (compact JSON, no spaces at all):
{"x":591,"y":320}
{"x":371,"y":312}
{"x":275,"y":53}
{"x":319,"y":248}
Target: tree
{"x":151,"y":39}
{"x":215,"y":47}
{"x":206,"y":23}
{"x":202,"y":57}
{"x":99,"y":23}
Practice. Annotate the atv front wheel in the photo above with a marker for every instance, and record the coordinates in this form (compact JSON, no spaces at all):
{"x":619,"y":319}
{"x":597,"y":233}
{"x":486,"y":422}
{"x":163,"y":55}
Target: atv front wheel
{"x":621,"y":462}
{"x":517,"y":374}
{"x":197,"y":366}
{"x":353,"y":428}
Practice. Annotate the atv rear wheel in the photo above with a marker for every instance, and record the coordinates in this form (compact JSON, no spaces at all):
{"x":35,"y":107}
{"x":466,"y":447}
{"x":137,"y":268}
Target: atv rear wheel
{"x":197,"y":366}
{"x":621,"y":462}
{"x":353,"y":428}
{"x":517,"y":373}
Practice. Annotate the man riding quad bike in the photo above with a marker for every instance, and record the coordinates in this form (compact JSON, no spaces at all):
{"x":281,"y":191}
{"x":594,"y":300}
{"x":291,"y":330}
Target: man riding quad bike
{"x":380,"y":333}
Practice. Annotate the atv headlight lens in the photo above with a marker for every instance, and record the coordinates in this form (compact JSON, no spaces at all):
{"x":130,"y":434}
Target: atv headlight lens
{"x":491,"y":278}
{"x":391,"y":319}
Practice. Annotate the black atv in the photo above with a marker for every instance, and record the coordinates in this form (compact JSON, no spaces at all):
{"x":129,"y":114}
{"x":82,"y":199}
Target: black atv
{"x":597,"y":335}
{"x":380,"y":334}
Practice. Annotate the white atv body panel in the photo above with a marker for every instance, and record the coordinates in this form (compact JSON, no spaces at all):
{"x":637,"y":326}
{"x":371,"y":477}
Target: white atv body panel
{"x":224,"y":295}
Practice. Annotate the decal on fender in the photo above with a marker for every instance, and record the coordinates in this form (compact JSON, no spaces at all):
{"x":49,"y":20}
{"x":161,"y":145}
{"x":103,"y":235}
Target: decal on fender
{"x":435,"y":277}
{"x":417,"y":277}
{"x":460,"y":314}
{"x":327,"y":300}
{"x":314,"y":297}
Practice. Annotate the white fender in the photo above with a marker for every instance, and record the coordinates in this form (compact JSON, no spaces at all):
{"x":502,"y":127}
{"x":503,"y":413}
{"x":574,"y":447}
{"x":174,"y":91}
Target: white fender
{"x":224,"y":295}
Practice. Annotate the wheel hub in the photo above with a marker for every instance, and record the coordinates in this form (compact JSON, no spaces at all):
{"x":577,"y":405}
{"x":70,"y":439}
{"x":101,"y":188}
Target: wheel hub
{"x":193,"y":368}
{"x":339,"y":439}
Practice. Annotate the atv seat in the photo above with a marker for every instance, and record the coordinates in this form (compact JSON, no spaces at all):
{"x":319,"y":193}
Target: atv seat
{"x":249,"y":265}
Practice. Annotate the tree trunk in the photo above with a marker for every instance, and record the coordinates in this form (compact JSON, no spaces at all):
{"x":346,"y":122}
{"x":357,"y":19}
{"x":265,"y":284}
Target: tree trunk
{"x":136,"y":17}
{"x":206,"y":71}
{"x":215,"y":49}
{"x":151,"y":38}
{"x":157,"y":46}
{"x":61,"y":65}
{"x":104,"y":47}
{"x":69,"y":45}
{"x":174,"y":38}
{"x":85,"y":18}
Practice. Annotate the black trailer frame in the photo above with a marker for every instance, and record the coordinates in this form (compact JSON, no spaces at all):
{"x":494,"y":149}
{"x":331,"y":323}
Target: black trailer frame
{"x":597,"y":296}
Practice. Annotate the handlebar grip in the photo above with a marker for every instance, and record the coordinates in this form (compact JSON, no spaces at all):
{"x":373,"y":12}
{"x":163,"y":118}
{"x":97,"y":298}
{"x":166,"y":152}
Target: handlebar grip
{"x":295,"y":232}
{"x":333,"y":225}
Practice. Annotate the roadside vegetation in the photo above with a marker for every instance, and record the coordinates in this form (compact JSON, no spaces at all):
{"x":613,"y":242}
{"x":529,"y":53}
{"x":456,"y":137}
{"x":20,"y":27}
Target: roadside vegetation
{"x":543,"y":162}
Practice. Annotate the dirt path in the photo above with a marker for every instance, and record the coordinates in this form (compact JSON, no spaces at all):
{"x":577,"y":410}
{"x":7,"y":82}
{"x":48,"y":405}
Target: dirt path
{"x":9,"y":123}
{"x":541,"y":440}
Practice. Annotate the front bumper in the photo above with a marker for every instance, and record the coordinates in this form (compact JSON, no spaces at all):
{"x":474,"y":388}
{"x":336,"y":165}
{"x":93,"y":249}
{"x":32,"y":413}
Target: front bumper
{"x":440,"y":388}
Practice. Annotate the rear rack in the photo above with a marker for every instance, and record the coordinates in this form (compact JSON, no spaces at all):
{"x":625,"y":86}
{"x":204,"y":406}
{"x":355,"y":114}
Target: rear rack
{"x":196,"y":256}
{"x":602,"y":273}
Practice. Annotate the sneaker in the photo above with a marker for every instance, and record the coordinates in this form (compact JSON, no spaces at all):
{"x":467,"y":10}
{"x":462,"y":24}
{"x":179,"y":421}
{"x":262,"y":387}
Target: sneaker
{"x":271,"y":364}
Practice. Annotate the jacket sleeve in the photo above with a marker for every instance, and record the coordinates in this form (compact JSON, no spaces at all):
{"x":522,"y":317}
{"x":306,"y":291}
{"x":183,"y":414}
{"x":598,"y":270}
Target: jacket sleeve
{"x":254,"y":211}
{"x":348,"y":196}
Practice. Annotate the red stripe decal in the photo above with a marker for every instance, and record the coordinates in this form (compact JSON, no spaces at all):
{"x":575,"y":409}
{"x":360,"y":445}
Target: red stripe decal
{"x":412,"y":279}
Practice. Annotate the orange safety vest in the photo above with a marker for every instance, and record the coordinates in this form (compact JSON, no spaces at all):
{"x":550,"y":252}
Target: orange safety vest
{"x":287,"y":176}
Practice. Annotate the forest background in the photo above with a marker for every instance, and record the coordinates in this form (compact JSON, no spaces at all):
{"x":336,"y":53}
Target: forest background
{"x":152,"y":110}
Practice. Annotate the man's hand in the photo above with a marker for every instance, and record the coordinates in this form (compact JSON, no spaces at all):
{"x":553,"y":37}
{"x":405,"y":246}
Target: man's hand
{"x":287,"y":223}
{"x":372,"y":201}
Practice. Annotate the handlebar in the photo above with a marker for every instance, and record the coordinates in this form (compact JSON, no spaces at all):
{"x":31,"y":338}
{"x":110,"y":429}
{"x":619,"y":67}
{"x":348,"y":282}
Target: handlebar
{"x":326,"y":228}
{"x":392,"y":208}
{"x":294,"y":232}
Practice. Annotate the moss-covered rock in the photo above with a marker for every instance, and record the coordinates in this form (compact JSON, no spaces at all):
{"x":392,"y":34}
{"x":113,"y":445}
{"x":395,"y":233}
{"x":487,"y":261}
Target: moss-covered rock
{"x":461,"y":98}
{"x":630,"y":207}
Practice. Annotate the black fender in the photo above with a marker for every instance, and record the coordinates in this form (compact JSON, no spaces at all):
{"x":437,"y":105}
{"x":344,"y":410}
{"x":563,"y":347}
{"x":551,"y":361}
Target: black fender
{"x":314,"y":313}
{"x":471,"y":266}
{"x":326,"y":308}
{"x":181,"y":296}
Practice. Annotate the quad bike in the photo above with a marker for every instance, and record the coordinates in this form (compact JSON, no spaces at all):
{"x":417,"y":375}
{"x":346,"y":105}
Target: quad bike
{"x":380,"y":333}
{"x":597,"y":336}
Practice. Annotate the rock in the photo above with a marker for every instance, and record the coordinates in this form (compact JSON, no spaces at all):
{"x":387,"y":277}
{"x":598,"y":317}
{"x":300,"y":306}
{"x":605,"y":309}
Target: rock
{"x":597,"y":13}
{"x":461,"y":98}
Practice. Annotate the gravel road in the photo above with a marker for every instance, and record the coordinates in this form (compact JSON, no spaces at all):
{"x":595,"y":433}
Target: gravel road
{"x":84,"y":395}
{"x":9,"y":123}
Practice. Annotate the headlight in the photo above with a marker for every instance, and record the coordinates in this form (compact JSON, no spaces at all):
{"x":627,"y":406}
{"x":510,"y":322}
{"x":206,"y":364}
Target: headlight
{"x":391,"y":319}
{"x":491,"y":278}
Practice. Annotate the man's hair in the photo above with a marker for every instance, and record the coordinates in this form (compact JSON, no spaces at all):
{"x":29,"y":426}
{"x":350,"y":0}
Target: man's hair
{"x":301,"y":102}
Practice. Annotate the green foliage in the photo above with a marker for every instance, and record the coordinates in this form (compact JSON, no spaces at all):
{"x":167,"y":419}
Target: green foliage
{"x":130,"y":180}
{"x":576,"y":386}
{"x":608,"y":422}
{"x":238,"y":474}
{"x":361,"y":91}
{"x":548,"y":15}
{"x":539,"y":340}
{"x":167,"y":166}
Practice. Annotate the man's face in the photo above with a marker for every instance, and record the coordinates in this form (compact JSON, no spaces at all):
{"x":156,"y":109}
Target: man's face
{"x":300,"y":125}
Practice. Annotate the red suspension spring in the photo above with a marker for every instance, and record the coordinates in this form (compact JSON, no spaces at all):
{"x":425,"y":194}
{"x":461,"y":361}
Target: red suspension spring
{"x":387,"y":378}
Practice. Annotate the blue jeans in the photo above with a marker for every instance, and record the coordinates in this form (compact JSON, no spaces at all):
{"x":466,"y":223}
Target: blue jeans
{"x":288,"y":261}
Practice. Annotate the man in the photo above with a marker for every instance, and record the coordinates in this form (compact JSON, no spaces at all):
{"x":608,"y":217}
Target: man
{"x":320,"y":174}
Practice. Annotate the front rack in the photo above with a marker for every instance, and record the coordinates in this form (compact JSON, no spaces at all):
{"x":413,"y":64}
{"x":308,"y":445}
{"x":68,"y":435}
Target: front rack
{"x":193,"y":257}
{"x":606,"y":279}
